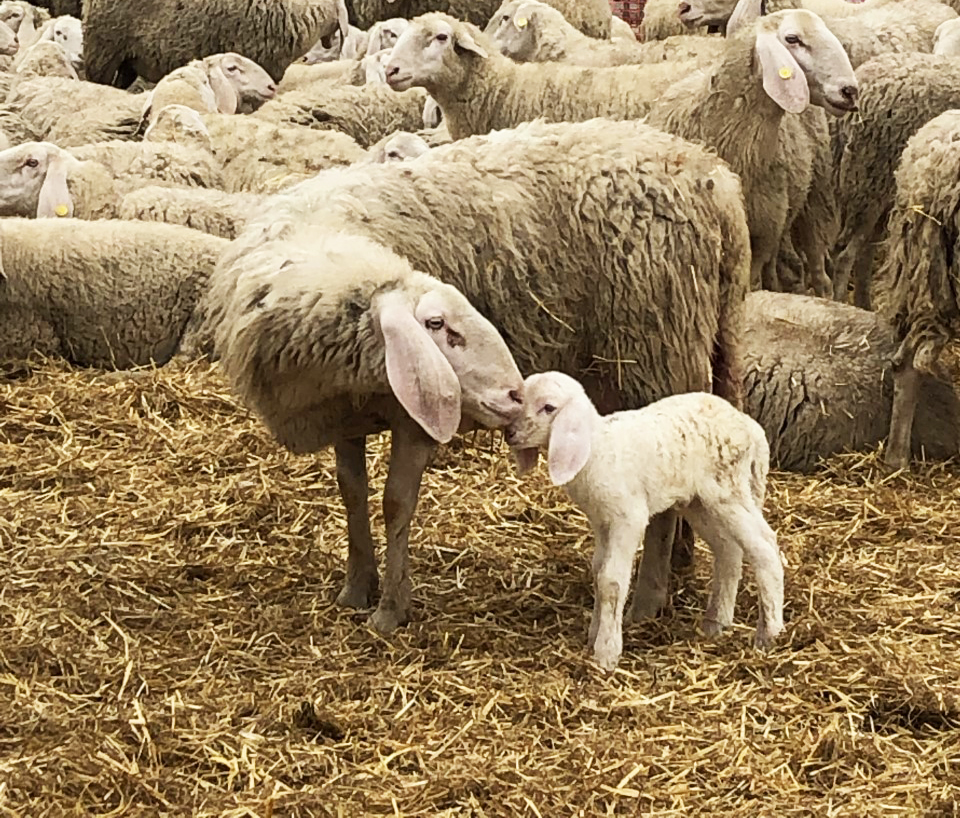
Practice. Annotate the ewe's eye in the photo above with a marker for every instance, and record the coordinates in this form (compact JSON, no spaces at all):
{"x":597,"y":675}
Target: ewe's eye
{"x":434,"y":323}
{"x":792,"y":39}
{"x":395,"y":155}
{"x":549,"y":408}
{"x":442,"y":38}
{"x":31,"y":162}
{"x":232,"y":68}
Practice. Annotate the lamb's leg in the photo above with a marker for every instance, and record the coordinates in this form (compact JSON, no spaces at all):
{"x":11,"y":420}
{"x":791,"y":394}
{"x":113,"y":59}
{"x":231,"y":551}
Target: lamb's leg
{"x":653,"y":576}
{"x":759,"y":544}
{"x":727,"y":569}
{"x":906,"y":393}
{"x":360,"y":585}
{"x":597,"y":563}
{"x":612,"y":583}
{"x":410,"y":450}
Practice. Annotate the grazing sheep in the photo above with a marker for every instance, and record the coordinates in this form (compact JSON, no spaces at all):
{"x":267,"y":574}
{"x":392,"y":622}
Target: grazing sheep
{"x":123,"y":39}
{"x":899,"y":94}
{"x":331,"y":338}
{"x":692,"y":453}
{"x":592,"y":17}
{"x":479,"y":90}
{"x":746,"y":108}
{"x":212,"y":211}
{"x":917,"y":282}
{"x":818,"y":379}
{"x":109,"y":294}
{"x":609,"y":250}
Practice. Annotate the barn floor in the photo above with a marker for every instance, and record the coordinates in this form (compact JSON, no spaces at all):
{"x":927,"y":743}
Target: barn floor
{"x":168,"y":643}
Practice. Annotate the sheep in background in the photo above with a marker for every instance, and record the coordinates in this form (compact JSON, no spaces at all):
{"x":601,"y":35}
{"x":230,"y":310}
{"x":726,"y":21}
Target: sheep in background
{"x":746,"y":109}
{"x":212,"y":211}
{"x":123,"y":39}
{"x":397,"y":147}
{"x":693,"y":453}
{"x":620,"y":30}
{"x":25,"y":19}
{"x":946,"y":39}
{"x":479,"y":90}
{"x":917,"y":282}
{"x":110,"y":294}
{"x":661,"y":19}
{"x":67,"y":32}
{"x":8,"y":47}
{"x":644,"y":300}
{"x":817,"y":377}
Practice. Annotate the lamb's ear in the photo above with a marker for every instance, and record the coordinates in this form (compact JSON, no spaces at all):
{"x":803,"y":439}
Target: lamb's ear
{"x":744,"y":13}
{"x":420,"y":377}
{"x":55,"y":199}
{"x":224,"y":94}
{"x":783,"y":79}
{"x":569,"y":441}
{"x":464,"y":39}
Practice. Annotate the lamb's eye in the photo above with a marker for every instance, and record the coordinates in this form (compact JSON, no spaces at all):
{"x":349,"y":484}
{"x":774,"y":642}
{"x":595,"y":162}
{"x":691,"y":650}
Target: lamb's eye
{"x":31,"y":162}
{"x":434,"y":323}
{"x":792,"y":39}
{"x":394,"y":155}
{"x":232,"y":69}
{"x":442,"y":38}
{"x":549,"y":408}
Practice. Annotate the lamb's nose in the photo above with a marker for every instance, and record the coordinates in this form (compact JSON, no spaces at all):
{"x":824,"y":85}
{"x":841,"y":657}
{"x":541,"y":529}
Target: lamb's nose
{"x":392,"y":70}
{"x":515,"y":396}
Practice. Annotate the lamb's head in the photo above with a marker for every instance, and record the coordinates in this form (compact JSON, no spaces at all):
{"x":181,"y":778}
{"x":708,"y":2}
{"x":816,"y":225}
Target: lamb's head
{"x":234,"y":76}
{"x":385,"y":34}
{"x":518,"y":36}
{"x":375,"y":67}
{"x":557,"y":414}
{"x":444,"y":361}
{"x":68,"y":33}
{"x":435,"y":52}
{"x":946,"y":39}
{"x":33,"y":180}
{"x":397,"y":147}
{"x":320,"y":52}
{"x":8,"y":41}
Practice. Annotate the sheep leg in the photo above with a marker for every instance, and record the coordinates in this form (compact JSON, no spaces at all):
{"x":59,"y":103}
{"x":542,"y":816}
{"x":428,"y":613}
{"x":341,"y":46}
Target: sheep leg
{"x":727,"y":570}
{"x":906,"y":393}
{"x":360,"y":585}
{"x":410,"y":450}
{"x":612,"y":570}
{"x":863,"y":276}
{"x":759,"y":544}
{"x":653,"y":576}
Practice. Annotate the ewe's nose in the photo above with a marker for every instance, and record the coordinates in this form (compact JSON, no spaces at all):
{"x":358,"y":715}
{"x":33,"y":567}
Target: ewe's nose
{"x":392,"y":70}
{"x":510,"y":435}
{"x":271,"y":89}
{"x":515,"y":396}
{"x":850,"y":93}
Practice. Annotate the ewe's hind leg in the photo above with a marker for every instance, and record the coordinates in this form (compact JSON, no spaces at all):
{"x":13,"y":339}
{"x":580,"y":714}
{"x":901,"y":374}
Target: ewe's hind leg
{"x":612,"y":566}
{"x":906,"y":392}
{"x":653,"y":576}
{"x":361,"y":582}
{"x":410,"y":449}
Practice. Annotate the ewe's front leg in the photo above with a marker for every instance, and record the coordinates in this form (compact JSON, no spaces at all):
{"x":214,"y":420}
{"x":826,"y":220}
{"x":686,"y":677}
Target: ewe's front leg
{"x":906,"y":393}
{"x":612,"y":571}
{"x":360,"y":585}
{"x":653,"y":576}
{"x":410,"y":449}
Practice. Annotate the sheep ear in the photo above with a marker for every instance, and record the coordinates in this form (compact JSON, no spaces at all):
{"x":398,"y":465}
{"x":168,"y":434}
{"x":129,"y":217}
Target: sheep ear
{"x":569,"y":442}
{"x":783,"y":79}
{"x":745,"y":12}
{"x":55,"y":199}
{"x":224,"y":93}
{"x":419,"y":375}
{"x":464,"y":40}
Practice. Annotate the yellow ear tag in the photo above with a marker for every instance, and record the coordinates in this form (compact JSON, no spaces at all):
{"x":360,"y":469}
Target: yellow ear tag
{"x":520,"y":22}
{"x":786,"y":72}
{"x":61,"y":210}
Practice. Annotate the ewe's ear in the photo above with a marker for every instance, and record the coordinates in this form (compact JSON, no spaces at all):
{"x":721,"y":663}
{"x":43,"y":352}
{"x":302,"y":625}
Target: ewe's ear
{"x":783,"y":79}
{"x":464,"y":39}
{"x":419,"y":375}
{"x":55,"y":199}
{"x":569,"y":441}
{"x":744,"y":13}
{"x":224,"y":94}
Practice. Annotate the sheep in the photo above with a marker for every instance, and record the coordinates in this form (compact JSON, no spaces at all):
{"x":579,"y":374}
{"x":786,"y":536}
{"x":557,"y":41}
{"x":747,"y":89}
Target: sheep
{"x":620,"y":30}
{"x":817,"y":377}
{"x":122,"y":39}
{"x":367,"y":113}
{"x":212,"y":211}
{"x":592,"y":17}
{"x":25,"y":19}
{"x":479,"y":90}
{"x":8,"y":47}
{"x":179,"y":124}
{"x":774,"y":65}
{"x":694,"y":453}
{"x":643,"y":300}
{"x":45,"y":59}
{"x":946,"y":39}
{"x":917,"y":281}
{"x":661,"y":19}
{"x":68,"y":33}
{"x":108,"y":294}
{"x":332,"y":338}
{"x":899,"y":94}
{"x":39,"y":179}
{"x":397,"y":147}
{"x":44,"y":101}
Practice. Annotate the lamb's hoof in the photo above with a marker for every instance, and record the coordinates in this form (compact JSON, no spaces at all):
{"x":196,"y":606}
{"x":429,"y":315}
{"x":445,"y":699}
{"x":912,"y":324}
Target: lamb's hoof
{"x":608,"y":660}
{"x":357,"y":593}
{"x":765,"y":638}
{"x":387,"y":620}
{"x":896,"y":460}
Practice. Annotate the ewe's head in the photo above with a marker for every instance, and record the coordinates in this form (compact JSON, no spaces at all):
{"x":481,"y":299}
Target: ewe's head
{"x":375,"y":67}
{"x":518,"y":34}
{"x":946,"y":39}
{"x":15,"y":12}
{"x":33,"y":180}
{"x":703,"y":13}
{"x":557,"y":414}
{"x":385,"y":34}
{"x":233,"y":76}
{"x":435,"y":52}
{"x":67,"y":32}
{"x":500,"y":16}
{"x":324,"y":50}
{"x":444,"y":360}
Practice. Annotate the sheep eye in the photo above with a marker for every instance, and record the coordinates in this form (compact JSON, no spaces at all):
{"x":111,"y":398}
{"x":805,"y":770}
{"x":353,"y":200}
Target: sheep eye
{"x":442,"y":38}
{"x":792,"y":39}
{"x":434,"y":323}
{"x":231,"y":68}
{"x":549,"y":408}
{"x":31,"y":162}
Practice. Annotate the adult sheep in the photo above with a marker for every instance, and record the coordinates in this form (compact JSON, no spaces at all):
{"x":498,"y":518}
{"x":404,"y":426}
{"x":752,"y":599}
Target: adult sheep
{"x":608,"y":250}
{"x":123,"y":39}
{"x":110,"y":294}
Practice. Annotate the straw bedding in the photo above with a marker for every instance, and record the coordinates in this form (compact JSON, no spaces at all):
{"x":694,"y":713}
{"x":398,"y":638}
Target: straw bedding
{"x":168,"y":643}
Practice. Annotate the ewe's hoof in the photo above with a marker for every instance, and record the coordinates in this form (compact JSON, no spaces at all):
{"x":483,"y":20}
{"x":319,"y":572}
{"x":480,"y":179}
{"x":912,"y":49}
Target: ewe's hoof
{"x":896,"y":460}
{"x":646,"y":607}
{"x":387,"y":620}
{"x":712,"y":628}
{"x":357,"y":593}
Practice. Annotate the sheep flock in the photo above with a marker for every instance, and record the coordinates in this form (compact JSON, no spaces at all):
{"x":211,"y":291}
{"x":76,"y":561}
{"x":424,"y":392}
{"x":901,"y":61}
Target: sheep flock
{"x":407,"y":406}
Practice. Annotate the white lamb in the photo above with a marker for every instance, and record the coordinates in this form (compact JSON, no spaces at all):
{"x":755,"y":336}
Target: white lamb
{"x":693,"y":452}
